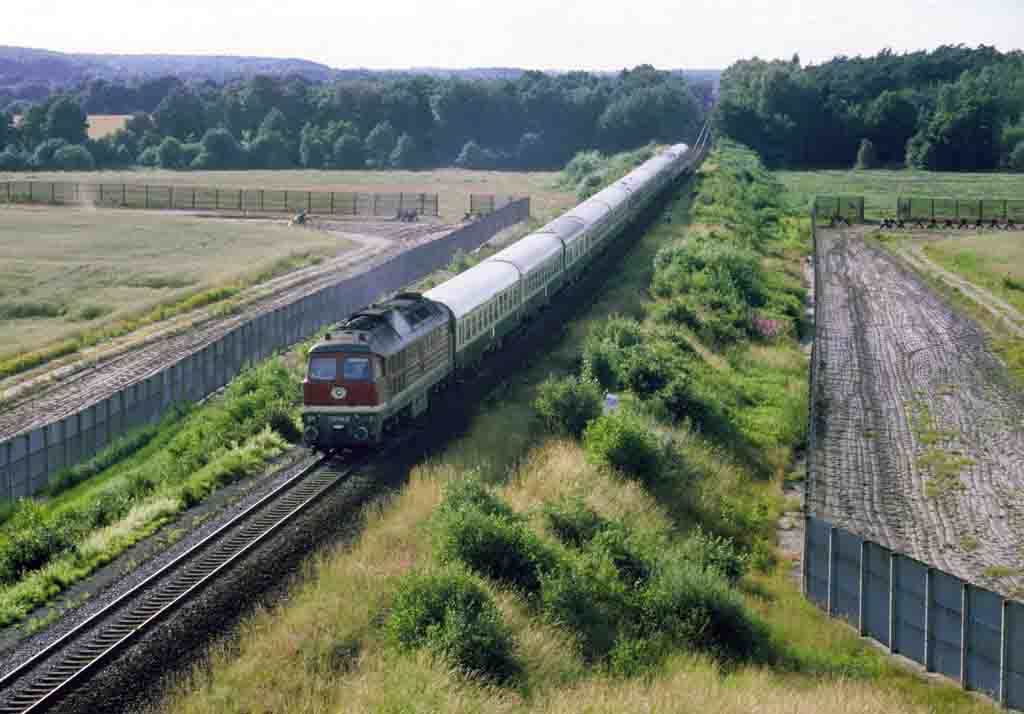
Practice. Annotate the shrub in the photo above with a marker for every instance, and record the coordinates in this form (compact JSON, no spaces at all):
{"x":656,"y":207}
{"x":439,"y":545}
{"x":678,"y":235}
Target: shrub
{"x":1012,"y":283}
{"x":494,"y":546}
{"x":693,"y":608}
{"x":632,"y":562}
{"x":32,"y":540}
{"x":599,"y":360}
{"x":716,"y":553}
{"x":622,"y":441}
{"x":586,"y":597}
{"x":456,"y":620}
{"x":573,"y":522}
{"x":567,"y":405}
{"x":470,"y":493}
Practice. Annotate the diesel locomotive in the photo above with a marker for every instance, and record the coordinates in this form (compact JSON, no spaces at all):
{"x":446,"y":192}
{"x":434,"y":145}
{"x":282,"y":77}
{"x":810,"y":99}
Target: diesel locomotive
{"x":379,"y":368}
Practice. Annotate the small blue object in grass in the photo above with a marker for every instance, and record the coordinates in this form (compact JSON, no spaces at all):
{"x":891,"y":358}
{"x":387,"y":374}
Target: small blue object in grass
{"x":611,"y":403}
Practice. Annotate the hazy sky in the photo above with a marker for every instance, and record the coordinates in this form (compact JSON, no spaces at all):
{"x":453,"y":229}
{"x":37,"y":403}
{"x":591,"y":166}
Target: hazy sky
{"x":573,"y":34}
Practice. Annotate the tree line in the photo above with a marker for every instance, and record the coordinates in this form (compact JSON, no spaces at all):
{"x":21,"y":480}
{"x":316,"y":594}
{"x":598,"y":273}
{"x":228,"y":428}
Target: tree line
{"x":536,"y":121}
{"x":951,"y":109}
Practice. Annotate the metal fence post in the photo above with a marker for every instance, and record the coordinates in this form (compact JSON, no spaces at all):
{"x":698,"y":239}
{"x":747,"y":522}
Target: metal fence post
{"x":170,"y":196}
{"x":193,"y":199}
{"x":286,"y":201}
{"x":861,"y":624}
{"x":30,"y":199}
{"x":332,"y":203}
{"x":216,"y":199}
{"x":124,"y":195}
{"x":805,"y":575}
{"x":147,"y":196}
{"x":963,"y":634}
{"x":892,"y":602}
{"x":375,"y":204}
{"x":831,"y":570}
{"x":1003,"y":652}
{"x":261,"y":199}
{"x":928,"y":614}
{"x":53,"y":192}
{"x":309,"y":201}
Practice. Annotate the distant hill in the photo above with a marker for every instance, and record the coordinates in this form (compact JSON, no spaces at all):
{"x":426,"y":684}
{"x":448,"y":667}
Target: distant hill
{"x":27,"y":73}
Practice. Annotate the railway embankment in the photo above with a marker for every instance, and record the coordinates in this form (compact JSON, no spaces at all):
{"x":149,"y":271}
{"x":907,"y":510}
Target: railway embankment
{"x":554,"y":558}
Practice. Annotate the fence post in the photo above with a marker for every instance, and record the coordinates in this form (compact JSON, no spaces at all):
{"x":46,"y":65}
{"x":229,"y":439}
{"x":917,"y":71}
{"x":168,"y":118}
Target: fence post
{"x":286,"y":202}
{"x":933,"y":209}
{"x":831,"y":569}
{"x":193,"y":199}
{"x":309,"y":201}
{"x":375,"y":204}
{"x":892,"y":602}
{"x":216,"y":199}
{"x":963,"y":634}
{"x":240,"y":198}
{"x":30,"y":199}
{"x":1003,"y":653}
{"x":170,"y":193}
{"x":332,"y":203}
{"x":124,"y":195}
{"x":53,"y":192}
{"x":101,"y":194}
{"x":805,"y":575}
{"x":261,"y":200}
{"x":861,"y":627}
{"x":928,"y":653}
{"x":147,"y":196}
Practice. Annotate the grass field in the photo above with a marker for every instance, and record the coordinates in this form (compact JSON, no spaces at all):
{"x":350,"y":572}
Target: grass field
{"x":64,"y":270}
{"x":994,"y":261}
{"x":101,"y":125}
{"x":453,"y":186}
{"x":881,"y":188}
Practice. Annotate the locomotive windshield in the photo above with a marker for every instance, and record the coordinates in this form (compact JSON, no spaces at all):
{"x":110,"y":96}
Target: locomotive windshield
{"x":356,"y":368}
{"x":324,"y":369}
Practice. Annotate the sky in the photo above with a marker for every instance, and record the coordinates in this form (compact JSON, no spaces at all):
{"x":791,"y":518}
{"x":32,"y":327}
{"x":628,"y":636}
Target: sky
{"x":572,"y":34}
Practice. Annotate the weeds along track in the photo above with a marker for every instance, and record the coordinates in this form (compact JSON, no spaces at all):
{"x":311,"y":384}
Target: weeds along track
{"x":919,"y":433}
{"x":99,"y":381}
{"x":42,"y":679}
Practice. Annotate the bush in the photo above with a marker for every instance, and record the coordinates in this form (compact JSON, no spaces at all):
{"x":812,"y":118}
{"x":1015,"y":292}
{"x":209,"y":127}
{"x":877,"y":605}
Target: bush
{"x":586,"y":597}
{"x":689,"y":607}
{"x":494,"y":546}
{"x":567,"y":405}
{"x":573,"y":522}
{"x":716,"y":553}
{"x":470,"y":493}
{"x":622,"y":441}
{"x":456,"y":620}
{"x":1017,"y":157}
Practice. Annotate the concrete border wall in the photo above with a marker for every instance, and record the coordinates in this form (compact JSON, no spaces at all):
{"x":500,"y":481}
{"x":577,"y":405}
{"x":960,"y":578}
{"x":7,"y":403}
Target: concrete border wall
{"x":29,"y":460}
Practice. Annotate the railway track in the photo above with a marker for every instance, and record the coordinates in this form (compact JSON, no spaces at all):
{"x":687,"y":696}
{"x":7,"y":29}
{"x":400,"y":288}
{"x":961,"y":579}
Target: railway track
{"x":44,"y":678}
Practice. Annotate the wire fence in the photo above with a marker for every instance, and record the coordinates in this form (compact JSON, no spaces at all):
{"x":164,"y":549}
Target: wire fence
{"x":208,"y":198}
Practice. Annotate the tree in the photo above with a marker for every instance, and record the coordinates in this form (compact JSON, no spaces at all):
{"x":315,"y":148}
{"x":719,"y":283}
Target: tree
{"x":12,"y":160}
{"x":471,"y":156}
{"x":73,"y":157}
{"x":348,"y":152}
{"x":171,"y":154}
{"x":867,"y":158}
{"x":380,"y":143}
{"x":180,"y":114}
{"x":313,"y":147}
{"x":6,"y":129}
{"x":530,"y":153}
{"x":66,"y":120}
{"x":405,"y":154}
{"x":33,"y":126}
{"x":1017,"y":157}
{"x":220,"y":151}
{"x":269,"y":151}
{"x":891,"y":119}
{"x":42,"y":158}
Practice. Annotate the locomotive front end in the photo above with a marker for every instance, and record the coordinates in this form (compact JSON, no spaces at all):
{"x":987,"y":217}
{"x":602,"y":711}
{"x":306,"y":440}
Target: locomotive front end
{"x":340,"y":395}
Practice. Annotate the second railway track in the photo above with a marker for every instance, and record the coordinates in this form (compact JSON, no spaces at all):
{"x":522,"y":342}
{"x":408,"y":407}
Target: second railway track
{"x":44,"y":678}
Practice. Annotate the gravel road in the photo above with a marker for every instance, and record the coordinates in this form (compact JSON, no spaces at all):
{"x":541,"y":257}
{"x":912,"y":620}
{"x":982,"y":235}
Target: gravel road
{"x":920,"y":433}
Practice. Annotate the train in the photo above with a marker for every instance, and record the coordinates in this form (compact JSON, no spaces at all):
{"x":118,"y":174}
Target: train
{"x":377,"y":370}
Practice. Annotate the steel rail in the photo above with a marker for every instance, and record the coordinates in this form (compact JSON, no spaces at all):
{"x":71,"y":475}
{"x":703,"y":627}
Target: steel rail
{"x":148,"y":602}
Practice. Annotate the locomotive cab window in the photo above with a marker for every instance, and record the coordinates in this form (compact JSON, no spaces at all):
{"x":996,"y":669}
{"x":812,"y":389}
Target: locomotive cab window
{"x":323,"y":369}
{"x":357,"y":369}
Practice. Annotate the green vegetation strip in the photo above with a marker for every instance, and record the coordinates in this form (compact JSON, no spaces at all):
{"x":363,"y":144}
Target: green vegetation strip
{"x":94,"y":511}
{"x":558,"y":558}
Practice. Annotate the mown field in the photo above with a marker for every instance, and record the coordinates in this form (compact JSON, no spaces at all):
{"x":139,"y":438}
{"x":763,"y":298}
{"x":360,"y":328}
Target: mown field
{"x":881,"y":188}
{"x":994,"y":261}
{"x":453,"y":186}
{"x":68,"y":270}
{"x":554,"y":559}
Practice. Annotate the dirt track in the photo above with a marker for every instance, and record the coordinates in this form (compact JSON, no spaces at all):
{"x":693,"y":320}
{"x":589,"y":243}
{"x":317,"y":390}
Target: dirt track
{"x":920,"y":435}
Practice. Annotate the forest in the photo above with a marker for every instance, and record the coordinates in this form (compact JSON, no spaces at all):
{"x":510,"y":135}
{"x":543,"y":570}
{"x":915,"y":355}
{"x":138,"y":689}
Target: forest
{"x":536,"y":121}
{"x":951,"y":109}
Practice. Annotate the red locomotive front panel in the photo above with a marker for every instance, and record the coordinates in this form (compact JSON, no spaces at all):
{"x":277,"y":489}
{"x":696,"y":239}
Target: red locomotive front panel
{"x":340,"y":380}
